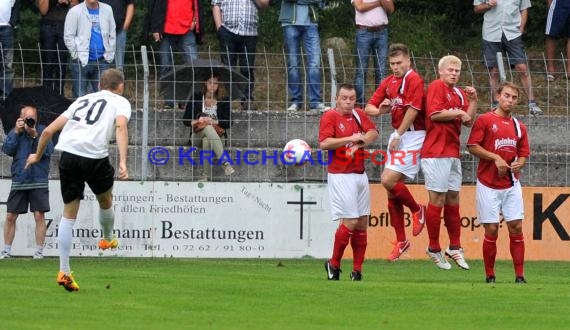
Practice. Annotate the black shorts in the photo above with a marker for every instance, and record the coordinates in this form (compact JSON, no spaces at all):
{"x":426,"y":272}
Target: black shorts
{"x":37,"y":199}
{"x":75,"y":170}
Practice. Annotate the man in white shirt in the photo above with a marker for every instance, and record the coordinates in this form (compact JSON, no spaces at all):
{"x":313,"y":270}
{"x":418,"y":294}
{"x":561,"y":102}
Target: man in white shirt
{"x":86,"y":129}
{"x":371,"y":18}
{"x":90,"y":36}
{"x":503,"y":25}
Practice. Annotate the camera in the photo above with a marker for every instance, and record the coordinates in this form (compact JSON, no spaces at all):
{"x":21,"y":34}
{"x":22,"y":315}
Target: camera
{"x":30,"y":122}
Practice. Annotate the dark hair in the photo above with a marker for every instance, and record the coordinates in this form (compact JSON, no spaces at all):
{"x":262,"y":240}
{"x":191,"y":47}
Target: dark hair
{"x":346,"y":86}
{"x":221,"y":92}
{"x":398,"y":49}
{"x":508,"y":84}
{"x":111,"y":79}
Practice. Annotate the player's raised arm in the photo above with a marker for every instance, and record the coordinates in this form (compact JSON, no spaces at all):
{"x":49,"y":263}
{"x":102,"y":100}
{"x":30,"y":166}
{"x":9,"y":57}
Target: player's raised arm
{"x":45,"y":138}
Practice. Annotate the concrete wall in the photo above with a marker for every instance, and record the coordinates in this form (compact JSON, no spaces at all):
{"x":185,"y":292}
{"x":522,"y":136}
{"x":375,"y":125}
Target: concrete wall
{"x":270,"y":130}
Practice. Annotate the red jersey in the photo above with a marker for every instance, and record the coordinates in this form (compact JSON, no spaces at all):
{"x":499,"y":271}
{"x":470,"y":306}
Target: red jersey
{"x":504,"y":136}
{"x":335,"y":125}
{"x":179,"y":16}
{"x":403,"y":92}
{"x":442,"y":138}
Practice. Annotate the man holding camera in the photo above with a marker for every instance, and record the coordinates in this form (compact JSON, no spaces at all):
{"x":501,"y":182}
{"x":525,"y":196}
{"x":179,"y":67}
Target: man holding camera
{"x":29,"y":186}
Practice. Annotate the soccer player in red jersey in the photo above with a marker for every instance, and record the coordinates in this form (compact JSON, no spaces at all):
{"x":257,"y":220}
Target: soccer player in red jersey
{"x":401,"y":94}
{"x":447,"y":108}
{"x":345,"y":131}
{"x":501,"y":143}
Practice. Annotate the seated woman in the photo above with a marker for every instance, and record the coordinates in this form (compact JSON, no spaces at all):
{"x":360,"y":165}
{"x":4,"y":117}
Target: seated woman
{"x":208,"y":113}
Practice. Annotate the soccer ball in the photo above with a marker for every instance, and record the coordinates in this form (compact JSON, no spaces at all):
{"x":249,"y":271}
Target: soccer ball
{"x":297,"y":151}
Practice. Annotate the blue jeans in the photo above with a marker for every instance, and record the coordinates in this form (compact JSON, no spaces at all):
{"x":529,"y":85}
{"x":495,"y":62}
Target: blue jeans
{"x":235,"y":48}
{"x":120,"y":49}
{"x":54,"y":56}
{"x":170,"y":43}
{"x":309,"y":35}
{"x":366,"y":43}
{"x":7,"y":52}
{"x":83,"y":76}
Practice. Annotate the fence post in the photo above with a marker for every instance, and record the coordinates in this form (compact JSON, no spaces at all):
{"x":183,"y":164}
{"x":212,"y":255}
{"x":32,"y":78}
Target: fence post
{"x":332,"y":67}
{"x":501,"y":66}
{"x":144,"y":144}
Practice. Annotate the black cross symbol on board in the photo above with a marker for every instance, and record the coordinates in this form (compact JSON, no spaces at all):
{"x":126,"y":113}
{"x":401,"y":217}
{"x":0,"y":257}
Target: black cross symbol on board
{"x":302,"y":203}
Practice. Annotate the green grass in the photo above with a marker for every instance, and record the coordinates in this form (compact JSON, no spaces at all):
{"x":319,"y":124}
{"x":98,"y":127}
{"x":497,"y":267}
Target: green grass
{"x":126,"y":293}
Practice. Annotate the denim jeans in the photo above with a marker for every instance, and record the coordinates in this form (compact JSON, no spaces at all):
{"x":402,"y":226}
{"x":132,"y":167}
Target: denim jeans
{"x":169,"y":45}
{"x":309,"y":36}
{"x":7,"y":52}
{"x":83,"y":76}
{"x":235,"y":48}
{"x":376,"y":44}
{"x":120,"y":49}
{"x":54,"y":56}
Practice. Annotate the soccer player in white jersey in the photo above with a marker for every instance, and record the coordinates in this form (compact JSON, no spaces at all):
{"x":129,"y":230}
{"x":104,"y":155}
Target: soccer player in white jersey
{"x":86,"y":128}
{"x":501,"y":143}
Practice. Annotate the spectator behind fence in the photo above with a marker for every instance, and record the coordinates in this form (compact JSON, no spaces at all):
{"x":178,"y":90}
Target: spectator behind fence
{"x":177,"y":26}
{"x":29,"y":186}
{"x":557,"y":27}
{"x":90,"y":37}
{"x":500,"y":142}
{"x":299,"y":22}
{"x":236,"y":23}
{"x":209,"y":115}
{"x":371,"y":18}
{"x":9,"y":19}
{"x":504,"y":22}
{"x":447,"y":109}
{"x":123,"y":13}
{"x":54,"y":52}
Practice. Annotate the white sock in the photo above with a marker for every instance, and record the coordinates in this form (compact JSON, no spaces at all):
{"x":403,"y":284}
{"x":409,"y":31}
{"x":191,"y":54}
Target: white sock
{"x":8,"y":248}
{"x":40,"y":249}
{"x":65,"y":235}
{"x":107,"y":221}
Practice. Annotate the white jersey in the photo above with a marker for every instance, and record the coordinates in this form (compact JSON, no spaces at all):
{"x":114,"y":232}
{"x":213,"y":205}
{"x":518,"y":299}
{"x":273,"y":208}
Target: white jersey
{"x":91,"y":124}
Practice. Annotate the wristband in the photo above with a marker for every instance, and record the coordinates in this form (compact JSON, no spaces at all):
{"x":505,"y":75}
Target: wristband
{"x":395,"y":135}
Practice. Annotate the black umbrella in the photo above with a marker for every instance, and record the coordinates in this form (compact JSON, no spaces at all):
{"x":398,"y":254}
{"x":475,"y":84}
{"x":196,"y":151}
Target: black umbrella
{"x":48,"y":103}
{"x":185,"y":80}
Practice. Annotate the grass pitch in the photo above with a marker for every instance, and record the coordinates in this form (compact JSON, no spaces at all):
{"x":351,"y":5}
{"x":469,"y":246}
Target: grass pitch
{"x":132,"y":293}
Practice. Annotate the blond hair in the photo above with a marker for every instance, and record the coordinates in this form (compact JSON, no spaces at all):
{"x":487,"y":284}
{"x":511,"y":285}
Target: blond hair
{"x":449,"y":60}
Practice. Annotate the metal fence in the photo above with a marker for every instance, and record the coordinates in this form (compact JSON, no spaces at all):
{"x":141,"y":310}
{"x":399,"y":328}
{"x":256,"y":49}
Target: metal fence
{"x":266,"y":125}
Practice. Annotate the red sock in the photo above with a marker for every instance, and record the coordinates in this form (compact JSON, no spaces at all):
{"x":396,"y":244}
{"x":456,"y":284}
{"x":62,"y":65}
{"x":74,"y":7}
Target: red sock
{"x":489,"y":254}
{"x":452,"y":221}
{"x":396,"y":211}
{"x":404,"y":196}
{"x":433,"y":222}
{"x":517,"y":252}
{"x":341,"y":238}
{"x":358,"y":242}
